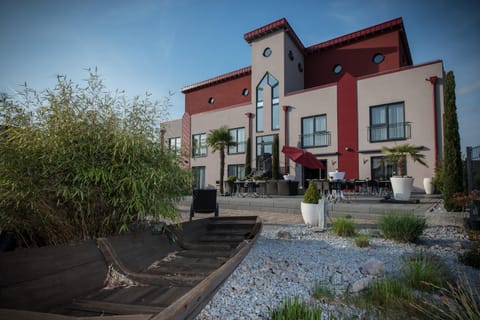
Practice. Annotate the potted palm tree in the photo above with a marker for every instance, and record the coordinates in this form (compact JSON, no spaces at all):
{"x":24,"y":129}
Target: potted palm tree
{"x":218,"y":140}
{"x":402,"y":184}
{"x":309,"y":206}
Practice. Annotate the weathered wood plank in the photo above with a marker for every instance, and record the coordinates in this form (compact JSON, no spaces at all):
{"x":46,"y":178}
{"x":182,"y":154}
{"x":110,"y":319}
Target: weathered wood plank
{"x":44,"y":293}
{"x":140,"y":250}
{"x":128,"y":295}
{"x":115,"y":308}
{"x":191,"y":302}
{"x":221,"y":255}
{"x":23,"y":265}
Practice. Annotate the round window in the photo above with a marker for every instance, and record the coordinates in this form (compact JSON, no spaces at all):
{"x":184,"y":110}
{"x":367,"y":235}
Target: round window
{"x":378,"y":58}
{"x":337,"y":69}
{"x":211,"y":100}
{"x":267,"y":52}
{"x":245,"y":92}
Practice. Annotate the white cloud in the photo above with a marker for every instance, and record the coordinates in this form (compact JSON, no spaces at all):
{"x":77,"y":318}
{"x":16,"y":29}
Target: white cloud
{"x":469,"y":88}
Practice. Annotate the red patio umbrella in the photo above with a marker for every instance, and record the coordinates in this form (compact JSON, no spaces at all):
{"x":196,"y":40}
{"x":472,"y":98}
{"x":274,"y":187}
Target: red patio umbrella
{"x":302,"y":157}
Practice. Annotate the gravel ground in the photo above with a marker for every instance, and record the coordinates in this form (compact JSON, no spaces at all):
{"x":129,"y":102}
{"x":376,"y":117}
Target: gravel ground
{"x":287,"y":261}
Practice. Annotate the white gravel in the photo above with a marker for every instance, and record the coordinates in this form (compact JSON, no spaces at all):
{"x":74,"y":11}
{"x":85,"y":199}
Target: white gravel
{"x":276,"y":268}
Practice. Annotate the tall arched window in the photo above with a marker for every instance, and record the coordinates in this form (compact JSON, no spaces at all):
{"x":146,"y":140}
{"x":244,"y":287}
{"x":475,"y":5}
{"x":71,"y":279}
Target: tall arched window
{"x":272,"y":82}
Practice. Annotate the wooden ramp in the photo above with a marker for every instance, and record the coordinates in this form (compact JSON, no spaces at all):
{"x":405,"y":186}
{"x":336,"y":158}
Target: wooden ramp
{"x":154,"y":277}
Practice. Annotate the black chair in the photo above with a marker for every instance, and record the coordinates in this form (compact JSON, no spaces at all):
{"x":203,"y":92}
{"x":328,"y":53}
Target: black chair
{"x":204,"y":201}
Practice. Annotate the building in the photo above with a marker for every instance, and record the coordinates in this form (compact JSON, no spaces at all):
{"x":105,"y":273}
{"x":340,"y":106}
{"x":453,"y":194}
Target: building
{"x":342,"y":100}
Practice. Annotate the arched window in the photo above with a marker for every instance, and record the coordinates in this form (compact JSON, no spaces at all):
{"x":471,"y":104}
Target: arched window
{"x":272,"y":82}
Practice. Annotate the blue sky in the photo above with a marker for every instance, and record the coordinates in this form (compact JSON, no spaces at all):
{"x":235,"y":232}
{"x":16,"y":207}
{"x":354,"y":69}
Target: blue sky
{"x":164,"y":45}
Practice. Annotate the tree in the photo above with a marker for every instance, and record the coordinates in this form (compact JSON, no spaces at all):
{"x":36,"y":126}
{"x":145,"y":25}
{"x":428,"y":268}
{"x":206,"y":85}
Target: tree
{"x":80,"y":162}
{"x":218,"y":140}
{"x":398,"y":155}
{"x":452,"y":161}
{"x":275,"y":158}
{"x":248,"y":158}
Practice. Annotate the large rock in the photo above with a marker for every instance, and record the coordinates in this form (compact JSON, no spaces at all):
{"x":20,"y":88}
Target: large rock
{"x":372,"y":267}
{"x":361,"y":284}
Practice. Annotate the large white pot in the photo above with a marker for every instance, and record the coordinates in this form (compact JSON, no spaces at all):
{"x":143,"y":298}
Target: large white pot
{"x":309,"y":213}
{"x":428,"y":185}
{"x":401,"y":187}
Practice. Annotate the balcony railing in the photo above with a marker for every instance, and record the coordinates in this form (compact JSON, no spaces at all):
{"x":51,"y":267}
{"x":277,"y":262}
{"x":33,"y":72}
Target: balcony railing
{"x":389,"y":132}
{"x":317,"y":139}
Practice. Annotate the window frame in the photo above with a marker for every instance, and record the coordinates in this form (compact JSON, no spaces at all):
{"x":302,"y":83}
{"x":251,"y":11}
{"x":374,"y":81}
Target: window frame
{"x":177,"y":146}
{"x":389,"y":169}
{"x":261,"y":162}
{"x":388,"y":125}
{"x":202,"y":146}
{"x":322,"y":133}
{"x":268,"y":80}
{"x":199,"y":174}
{"x":239,"y":170}
{"x":241,"y":143}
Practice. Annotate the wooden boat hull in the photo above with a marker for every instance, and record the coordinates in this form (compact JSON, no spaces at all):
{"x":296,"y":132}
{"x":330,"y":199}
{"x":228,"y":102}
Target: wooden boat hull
{"x":155,"y":277}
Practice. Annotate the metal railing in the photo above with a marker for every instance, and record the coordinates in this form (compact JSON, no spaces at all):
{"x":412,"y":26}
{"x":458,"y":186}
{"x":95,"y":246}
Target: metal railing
{"x":388,"y":132}
{"x":317,"y":139}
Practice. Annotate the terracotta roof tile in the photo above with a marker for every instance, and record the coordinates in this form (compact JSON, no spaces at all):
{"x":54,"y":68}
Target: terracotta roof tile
{"x":379,"y":28}
{"x":218,"y":79}
{"x":272,"y":27}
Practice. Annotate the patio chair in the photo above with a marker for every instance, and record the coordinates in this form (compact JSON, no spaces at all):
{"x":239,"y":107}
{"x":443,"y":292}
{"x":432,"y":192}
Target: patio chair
{"x":204,"y":201}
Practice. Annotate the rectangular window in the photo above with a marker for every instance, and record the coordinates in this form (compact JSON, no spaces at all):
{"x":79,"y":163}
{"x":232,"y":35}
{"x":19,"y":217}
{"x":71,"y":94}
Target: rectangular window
{"x":387,"y":122}
{"x":314,"y":131}
{"x":236,"y":170}
{"x":275,"y":108}
{"x":259,"y":116}
{"x":382,"y":170}
{"x":264,"y":153}
{"x":198,"y":177}
{"x":175,"y":144}
{"x":199,"y":145}
{"x":238,"y":135}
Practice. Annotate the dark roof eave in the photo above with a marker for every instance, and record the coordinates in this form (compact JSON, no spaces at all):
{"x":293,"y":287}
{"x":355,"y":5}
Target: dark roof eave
{"x":221,"y":78}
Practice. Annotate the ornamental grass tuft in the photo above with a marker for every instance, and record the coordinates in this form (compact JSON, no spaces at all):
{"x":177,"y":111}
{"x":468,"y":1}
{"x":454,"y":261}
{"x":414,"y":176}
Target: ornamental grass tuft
{"x":294,"y":309}
{"x":343,"y":227}
{"x":402,"y":227}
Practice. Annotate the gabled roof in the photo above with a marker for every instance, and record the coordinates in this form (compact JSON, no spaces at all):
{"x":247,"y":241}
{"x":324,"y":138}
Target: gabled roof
{"x":282,"y":24}
{"x":388,"y":26}
{"x":272,"y":27}
{"x":221,"y":78}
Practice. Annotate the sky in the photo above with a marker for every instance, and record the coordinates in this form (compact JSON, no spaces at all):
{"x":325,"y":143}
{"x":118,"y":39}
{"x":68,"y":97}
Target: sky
{"x":160,"y":46}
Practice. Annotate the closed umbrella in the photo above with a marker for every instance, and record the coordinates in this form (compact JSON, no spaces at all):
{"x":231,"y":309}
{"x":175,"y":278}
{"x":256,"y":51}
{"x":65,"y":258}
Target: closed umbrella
{"x":300,"y":156}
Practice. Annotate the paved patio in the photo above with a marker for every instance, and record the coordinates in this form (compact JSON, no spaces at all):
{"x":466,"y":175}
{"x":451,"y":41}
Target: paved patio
{"x":365,"y":210}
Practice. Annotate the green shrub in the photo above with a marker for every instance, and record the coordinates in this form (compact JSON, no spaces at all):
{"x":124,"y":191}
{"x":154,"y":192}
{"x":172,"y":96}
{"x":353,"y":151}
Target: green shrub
{"x":79,"y":163}
{"x":423,"y":271}
{"x":388,"y":294}
{"x":311,"y":194}
{"x":343,"y":227}
{"x":322,"y":290}
{"x":402,"y":227}
{"x":294,"y":309}
{"x":458,"y":301}
{"x":362,"y":240}
{"x":471,"y":256}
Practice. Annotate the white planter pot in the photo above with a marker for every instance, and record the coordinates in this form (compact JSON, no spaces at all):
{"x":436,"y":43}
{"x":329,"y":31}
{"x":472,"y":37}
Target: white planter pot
{"x":322,"y":212}
{"x":428,"y":185}
{"x":309,"y":213}
{"x":401,"y":187}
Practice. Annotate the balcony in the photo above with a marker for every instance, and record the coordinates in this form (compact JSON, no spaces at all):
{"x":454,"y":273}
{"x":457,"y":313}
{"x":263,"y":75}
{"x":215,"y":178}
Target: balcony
{"x":389,"y":132}
{"x":317,"y":139}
